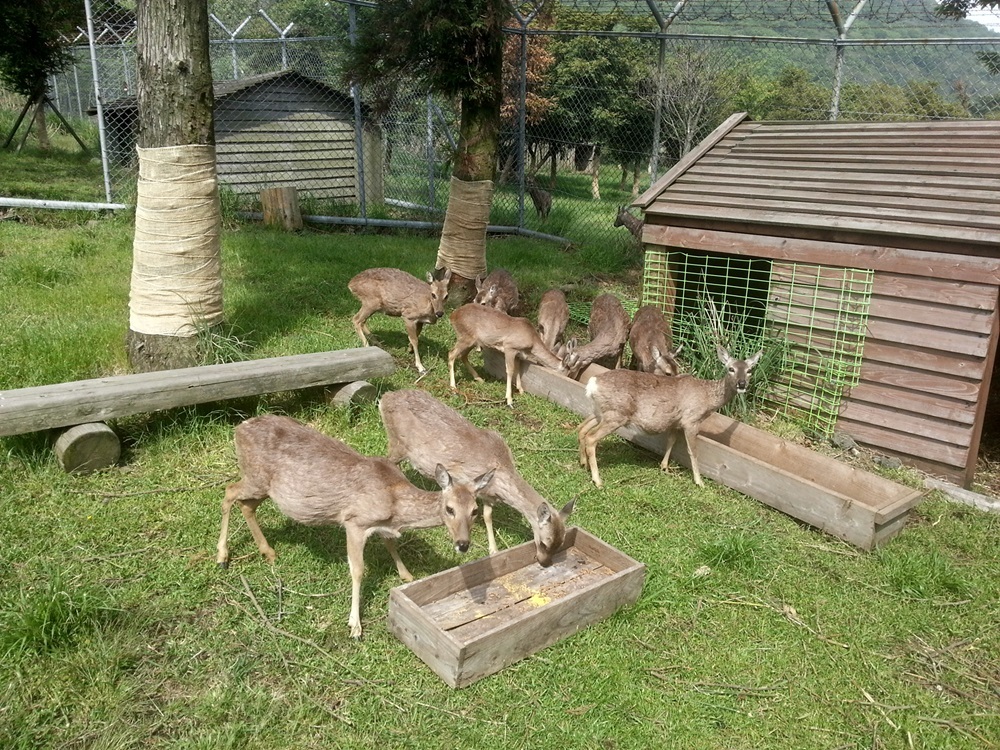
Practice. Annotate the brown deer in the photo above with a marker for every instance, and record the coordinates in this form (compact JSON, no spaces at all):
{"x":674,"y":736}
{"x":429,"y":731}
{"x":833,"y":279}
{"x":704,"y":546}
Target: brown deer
{"x":499,"y":291}
{"x":608,"y":327}
{"x":319,"y":481}
{"x":658,"y":405}
{"x":553,"y":317}
{"x":649,"y":340}
{"x":630,"y":222}
{"x":400,"y":295}
{"x":426,"y":432}
{"x":540,"y":199}
{"x":476,"y":325}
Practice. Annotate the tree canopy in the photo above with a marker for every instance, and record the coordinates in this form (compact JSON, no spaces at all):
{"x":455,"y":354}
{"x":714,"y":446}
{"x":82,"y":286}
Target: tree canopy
{"x":31,"y":45}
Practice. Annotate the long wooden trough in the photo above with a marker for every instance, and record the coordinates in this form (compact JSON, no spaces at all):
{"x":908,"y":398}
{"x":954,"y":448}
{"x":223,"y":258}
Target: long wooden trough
{"x":846,"y":502}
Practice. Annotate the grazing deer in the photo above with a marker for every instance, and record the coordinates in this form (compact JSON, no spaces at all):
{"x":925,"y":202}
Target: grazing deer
{"x":319,"y":481}
{"x":540,"y":199}
{"x":498,"y":290}
{"x":426,"y":432}
{"x":608,"y":327}
{"x":476,"y":325}
{"x":400,"y":295}
{"x":649,"y":340}
{"x":630,"y":222}
{"x":553,"y":317}
{"x":658,"y":405}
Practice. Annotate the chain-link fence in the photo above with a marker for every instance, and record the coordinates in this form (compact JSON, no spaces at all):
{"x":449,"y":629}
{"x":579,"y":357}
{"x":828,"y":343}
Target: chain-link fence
{"x":601,"y":98}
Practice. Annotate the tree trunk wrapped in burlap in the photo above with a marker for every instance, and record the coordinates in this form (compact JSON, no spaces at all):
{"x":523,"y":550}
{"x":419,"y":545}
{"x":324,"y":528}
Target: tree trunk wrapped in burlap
{"x":463,"y":246}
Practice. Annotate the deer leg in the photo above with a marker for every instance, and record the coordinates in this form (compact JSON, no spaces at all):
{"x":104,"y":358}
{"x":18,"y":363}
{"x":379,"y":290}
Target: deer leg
{"x":360,"y":321}
{"x":356,"y":563}
{"x":222,"y":557}
{"x":690,"y":440}
{"x":510,"y":364}
{"x":603,"y":428}
{"x":390,"y":544}
{"x":249,"y":509}
{"x":671,"y":438}
{"x":412,"y":331}
{"x":488,"y":520}
{"x":587,"y":425}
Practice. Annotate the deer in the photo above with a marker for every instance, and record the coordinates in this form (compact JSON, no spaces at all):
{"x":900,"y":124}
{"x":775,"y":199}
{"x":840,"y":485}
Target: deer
{"x":553,"y":317}
{"x":540,"y":199}
{"x":497,"y":290}
{"x":401,"y":295}
{"x":658,"y":405}
{"x":608,"y":327}
{"x":649,"y":340}
{"x":426,"y":432}
{"x":476,"y":325}
{"x":630,"y":222}
{"x":317,"y":480}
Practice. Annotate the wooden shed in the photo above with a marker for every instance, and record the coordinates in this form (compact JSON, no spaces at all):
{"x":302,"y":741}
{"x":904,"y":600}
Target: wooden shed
{"x":879,"y":249}
{"x":280,"y":129}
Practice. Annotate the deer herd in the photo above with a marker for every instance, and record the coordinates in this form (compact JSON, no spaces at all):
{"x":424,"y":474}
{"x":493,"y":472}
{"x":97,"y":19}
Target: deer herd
{"x":317,"y":480}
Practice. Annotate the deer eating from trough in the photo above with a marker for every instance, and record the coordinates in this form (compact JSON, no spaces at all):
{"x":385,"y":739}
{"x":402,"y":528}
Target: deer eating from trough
{"x":553,"y":317}
{"x":498,"y":290}
{"x":608,"y":328}
{"x":659,"y":405}
{"x":401,"y":295}
{"x":649,"y":339}
{"x":317,"y":480}
{"x":476,"y":325}
{"x":427,"y":432}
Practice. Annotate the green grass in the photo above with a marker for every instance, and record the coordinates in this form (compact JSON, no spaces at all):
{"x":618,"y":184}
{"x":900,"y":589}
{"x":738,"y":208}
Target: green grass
{"x":117,"y":629}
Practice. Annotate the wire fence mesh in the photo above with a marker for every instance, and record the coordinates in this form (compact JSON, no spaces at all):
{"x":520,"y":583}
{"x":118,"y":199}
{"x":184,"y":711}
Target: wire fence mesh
{"x":601,"y":98}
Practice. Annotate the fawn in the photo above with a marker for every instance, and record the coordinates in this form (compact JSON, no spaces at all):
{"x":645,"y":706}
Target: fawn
{"x":658,"y":405}
{"x":498,"y":290}
{"x":553,"y":317}
{"x":540,"y":199}
{"x":319,"y":481}
{"x":649,"y":340}
{"x":630,"y":222}
{"x":400,"y":295}
{"x":427,"y":433}
{"x":476,"y":325}
{"x":608,"y":327}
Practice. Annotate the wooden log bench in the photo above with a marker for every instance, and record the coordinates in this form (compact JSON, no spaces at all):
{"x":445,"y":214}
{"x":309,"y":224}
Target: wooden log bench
{"x":85,"y":405}
{"x":849,"y":503}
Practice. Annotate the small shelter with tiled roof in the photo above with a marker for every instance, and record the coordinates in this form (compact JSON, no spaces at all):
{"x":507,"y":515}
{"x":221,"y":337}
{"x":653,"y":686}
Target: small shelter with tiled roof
{"x":871,"y":250}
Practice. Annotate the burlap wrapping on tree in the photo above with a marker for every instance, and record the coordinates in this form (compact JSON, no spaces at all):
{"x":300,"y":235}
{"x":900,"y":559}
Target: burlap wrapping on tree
{"x":463,"y":247}
{"x":176,"y":266}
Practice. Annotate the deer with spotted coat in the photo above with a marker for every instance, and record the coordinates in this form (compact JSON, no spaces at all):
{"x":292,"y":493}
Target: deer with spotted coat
{"x":317,"y":480}
{"x":428,"y":433}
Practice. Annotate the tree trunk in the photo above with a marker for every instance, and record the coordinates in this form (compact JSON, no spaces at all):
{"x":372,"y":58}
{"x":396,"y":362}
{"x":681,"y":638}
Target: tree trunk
{"x":463,"y":238}
{"x":177,"y":285}
{"x":595,"y":174}
{"x":41,"y":125}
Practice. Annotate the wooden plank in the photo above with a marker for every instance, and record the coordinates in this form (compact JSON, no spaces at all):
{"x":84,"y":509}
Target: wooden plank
{"x":438,"y":649}
{"x":919,"y":380}
{"x":942,"y":265}
{"x":959,"y":412}
{"x":888,"y":415}
{"x":932,"y":289}
{"x":928,"y":337}
{"x":923,"y":313}
{"x":839,"y":499}
{"x":100,"y":399}
{"x":907,"y":445}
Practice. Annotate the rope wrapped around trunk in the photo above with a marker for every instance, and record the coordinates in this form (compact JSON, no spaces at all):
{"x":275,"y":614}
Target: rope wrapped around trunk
{"x":176,"y":253}
{"x":463,"y":237}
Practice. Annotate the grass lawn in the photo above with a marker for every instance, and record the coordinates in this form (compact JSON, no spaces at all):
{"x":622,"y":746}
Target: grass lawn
{"x":117,"y":629}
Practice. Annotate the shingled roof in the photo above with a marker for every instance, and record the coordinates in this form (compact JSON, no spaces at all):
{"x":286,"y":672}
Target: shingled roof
{"x":935,"y":181}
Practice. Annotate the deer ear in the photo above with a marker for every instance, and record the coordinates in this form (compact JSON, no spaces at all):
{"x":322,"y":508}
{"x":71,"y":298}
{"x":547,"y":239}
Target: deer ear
{"x":567,"y":509}
{"x":544,"y":513}
{"x":724,"y":356}
{"x":484,"y":479}
{"x":752,"y":362}
{"x":442,"y":476}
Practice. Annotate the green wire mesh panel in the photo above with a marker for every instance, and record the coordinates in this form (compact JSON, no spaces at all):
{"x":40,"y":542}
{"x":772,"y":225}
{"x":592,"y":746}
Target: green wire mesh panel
{"x":822,"y":312}
{"x":815,"y":315}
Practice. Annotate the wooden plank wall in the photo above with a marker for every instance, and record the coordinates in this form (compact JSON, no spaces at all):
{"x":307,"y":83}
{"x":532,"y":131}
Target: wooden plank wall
{"x":286,"y":134}
{"x":925,"y":367}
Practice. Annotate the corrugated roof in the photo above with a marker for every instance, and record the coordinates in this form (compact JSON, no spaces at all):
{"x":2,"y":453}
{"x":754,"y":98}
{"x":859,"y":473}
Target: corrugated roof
{"x":937,"y":180}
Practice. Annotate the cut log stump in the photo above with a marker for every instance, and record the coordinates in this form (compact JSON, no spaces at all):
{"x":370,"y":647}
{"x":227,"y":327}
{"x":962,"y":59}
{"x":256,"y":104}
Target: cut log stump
{"x":280,"y":206}
{"x":87,"y":447}
{"x":352,"y":394}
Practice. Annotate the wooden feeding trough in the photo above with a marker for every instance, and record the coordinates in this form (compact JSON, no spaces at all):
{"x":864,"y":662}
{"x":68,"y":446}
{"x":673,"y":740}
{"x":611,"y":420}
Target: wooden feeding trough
{"x":473,"y":620}
{"x":855,"y":505}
